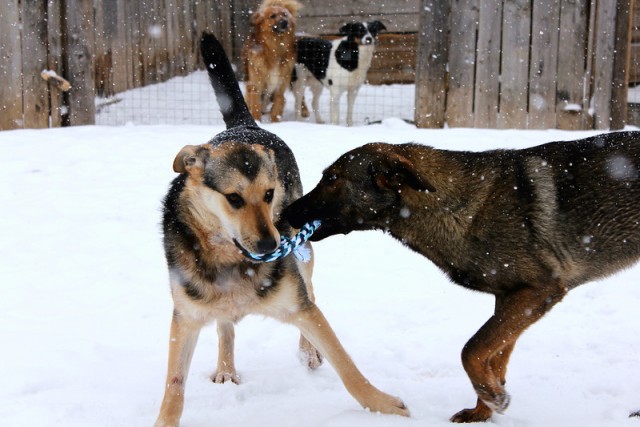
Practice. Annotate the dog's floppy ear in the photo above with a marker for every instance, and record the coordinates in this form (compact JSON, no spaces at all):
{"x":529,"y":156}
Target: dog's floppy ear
{"x":375,"y":27}
{"x":256,"y":18}
{"x":355,"y":29}
{"x":398,"y":171}
{"x":191,"y":156}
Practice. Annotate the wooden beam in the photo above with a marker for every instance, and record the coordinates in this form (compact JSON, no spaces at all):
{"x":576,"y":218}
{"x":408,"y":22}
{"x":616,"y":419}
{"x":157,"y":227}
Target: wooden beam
{"x":10,"y":67}
{"x":79,"y":44}
{"x":621,"y":60}
{"x":431,"y":67}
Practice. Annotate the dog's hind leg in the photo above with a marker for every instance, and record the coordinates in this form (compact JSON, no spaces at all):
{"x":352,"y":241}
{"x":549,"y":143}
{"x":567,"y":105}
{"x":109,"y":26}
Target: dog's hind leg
{"x":315,"y":327}
{"x":184,"y":336}
{"x":486,"y":355}
{"x":226,"y":369}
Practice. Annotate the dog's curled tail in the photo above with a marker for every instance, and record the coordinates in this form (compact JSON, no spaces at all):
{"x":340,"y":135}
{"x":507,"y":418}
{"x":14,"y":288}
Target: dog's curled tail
{"x":232,"y":104}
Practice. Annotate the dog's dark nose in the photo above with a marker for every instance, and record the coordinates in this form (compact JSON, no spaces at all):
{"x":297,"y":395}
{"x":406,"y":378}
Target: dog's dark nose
{"x":266,"y":245}
{"x":367,"y":40}
{"x":283,"y":24}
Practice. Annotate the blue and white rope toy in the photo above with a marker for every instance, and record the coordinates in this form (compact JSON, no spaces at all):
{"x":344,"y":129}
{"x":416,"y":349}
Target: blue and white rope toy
{"x":295,"y":244}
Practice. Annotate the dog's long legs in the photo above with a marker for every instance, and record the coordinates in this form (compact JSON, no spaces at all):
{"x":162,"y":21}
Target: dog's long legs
{"x":498,"y":364}
{"x":315,"y":327}
{"x":254,"y":95}
{"x":277,"y":109}
{"x":486,"y":354}
{"x":334,"y":105}
{"x":226,"y":369}
{"x":316,"y":90}
{"x":351,"y":99}
{"x":309,"y":355}
{"x":184,"y":337}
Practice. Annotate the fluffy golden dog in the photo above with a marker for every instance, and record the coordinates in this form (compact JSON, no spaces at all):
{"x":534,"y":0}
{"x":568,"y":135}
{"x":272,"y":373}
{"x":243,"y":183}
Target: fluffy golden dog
{"x":270,"y":56}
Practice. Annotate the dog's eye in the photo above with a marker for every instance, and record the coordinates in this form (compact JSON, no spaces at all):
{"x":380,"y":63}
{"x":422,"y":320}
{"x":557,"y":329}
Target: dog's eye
{"x":235,"y":200}
{"x":273,"y":16}
{"x":268,"y":196}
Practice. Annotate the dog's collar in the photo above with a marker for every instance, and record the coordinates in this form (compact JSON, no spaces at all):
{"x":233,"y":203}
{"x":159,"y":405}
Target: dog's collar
{"x":295,"y":244}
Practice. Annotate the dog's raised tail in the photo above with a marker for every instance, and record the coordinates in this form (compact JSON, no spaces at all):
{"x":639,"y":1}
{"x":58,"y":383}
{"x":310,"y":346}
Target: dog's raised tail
{"x":232,"y":104}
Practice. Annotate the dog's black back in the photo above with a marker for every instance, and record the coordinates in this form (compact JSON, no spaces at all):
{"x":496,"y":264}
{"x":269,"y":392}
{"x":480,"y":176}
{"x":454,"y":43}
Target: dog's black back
{"x":314,"y":54}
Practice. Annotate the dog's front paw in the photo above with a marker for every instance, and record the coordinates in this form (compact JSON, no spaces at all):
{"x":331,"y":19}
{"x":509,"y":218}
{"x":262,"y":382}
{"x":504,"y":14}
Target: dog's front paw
{"x":498,"y":402}
{"x":386,"y":404}
{"x":223,"y":377}
{"x":480,"y":413}
{"x":163,"y":423}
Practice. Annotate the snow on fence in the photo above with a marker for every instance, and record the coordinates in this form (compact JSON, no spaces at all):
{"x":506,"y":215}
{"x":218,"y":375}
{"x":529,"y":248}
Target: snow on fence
{"x":475,"y":63}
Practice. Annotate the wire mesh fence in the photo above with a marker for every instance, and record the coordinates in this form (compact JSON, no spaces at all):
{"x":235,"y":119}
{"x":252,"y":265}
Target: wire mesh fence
{"x":190,"y":100}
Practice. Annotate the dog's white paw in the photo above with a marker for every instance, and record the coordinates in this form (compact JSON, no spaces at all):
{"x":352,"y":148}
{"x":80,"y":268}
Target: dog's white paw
{"x":223,"y":377}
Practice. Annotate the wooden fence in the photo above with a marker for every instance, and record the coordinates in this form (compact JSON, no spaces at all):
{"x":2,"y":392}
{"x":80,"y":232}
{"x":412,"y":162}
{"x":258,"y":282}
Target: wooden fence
{"x":101,"y":46}
{"x":523,"y":64}
{"x":483,"y":63}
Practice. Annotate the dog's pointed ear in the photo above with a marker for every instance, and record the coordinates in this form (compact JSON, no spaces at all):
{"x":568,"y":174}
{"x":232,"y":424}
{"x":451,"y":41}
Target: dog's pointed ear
{"x":190,"y":157}
{"x":398,"y":171}
{"x":375,"y":27}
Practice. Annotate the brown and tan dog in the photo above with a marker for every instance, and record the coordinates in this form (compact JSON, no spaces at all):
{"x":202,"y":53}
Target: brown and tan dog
{"x":226,"y":200}
{"x":524,"y":225}
{"x":270,"y":56}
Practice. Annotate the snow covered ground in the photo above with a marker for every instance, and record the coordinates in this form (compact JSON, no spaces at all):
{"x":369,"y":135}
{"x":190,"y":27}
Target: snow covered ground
{"x":85,"y":305}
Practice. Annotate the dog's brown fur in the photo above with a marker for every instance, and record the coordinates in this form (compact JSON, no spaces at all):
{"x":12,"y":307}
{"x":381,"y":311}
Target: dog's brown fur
{"x":525,"y":225}
{"x":270,"y":56}
{"x":230,"y":193}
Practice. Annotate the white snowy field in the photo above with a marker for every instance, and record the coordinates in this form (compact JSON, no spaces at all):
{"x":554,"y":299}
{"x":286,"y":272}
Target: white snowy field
{"x":85,"y":304}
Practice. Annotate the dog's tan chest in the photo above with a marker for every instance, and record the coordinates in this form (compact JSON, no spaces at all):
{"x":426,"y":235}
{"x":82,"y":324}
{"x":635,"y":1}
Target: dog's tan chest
{"x":232,"y":296}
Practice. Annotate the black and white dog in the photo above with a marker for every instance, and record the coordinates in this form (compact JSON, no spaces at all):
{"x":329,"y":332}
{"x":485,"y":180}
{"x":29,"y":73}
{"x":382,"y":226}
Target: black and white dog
{"x":341,"y":65}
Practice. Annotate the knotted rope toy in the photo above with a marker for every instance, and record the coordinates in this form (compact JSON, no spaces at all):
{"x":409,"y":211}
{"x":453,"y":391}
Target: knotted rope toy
{"x":295,"y":244}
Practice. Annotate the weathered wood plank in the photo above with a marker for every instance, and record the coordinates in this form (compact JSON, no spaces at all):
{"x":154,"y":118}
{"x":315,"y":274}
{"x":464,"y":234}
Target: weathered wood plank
{"x":462,"y":60}
{"x":35,"y":91}
{"x":620,"y":83}
{"x":603,"y":63}
{"x":514,"y":85}
{"x":10,"y":67}
{"x":327,"y":25}
{"x":571,"y":66}
{"x":359,"y":7}
{"x":487,"y":87}
{"x":634,"y":63}
{"x":80,"y":67}
{"x":54,"y":59}
{"x":394,"y":60}
{"x":544,"y":61}
{"x":118,"y":27}
{"x":431,"y":66}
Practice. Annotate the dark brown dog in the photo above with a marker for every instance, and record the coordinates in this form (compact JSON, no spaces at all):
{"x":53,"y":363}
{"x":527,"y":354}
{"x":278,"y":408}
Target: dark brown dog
{"x":525,"y":225}
{"x":229,"y":194}
{"x":270,"y":56}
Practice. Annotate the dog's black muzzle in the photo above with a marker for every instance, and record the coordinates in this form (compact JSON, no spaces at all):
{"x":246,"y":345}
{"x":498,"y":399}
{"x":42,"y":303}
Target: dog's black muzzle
{"x":281,"y":26}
